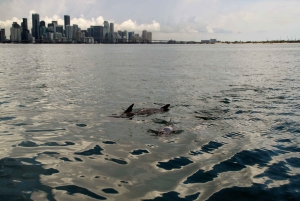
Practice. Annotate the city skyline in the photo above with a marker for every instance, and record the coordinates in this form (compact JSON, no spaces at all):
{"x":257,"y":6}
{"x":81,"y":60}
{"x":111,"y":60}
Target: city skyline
{"x":179,"y":20}
{"x":42,"y":32}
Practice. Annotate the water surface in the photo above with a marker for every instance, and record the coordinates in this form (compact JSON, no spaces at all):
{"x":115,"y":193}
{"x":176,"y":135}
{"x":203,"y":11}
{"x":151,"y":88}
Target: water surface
{"x":238,"y":106}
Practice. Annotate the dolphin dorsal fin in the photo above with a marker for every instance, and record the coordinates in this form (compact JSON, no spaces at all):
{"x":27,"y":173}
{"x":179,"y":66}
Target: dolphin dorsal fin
{"x":165,"y":107}
{"x":129,"y":109}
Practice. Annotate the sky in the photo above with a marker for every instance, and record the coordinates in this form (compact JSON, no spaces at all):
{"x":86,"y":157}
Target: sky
{"x":186,"y":20}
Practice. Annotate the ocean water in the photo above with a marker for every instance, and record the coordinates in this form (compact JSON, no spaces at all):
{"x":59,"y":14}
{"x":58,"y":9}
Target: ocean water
{"x":237,"y":105}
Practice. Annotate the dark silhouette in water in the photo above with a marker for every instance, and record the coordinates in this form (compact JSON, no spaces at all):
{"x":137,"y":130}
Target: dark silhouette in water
{"x":168,"y":129}
{"x":129,"y":112}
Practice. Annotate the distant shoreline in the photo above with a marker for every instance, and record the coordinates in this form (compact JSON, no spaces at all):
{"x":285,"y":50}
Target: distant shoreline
{"x":179,"y":43}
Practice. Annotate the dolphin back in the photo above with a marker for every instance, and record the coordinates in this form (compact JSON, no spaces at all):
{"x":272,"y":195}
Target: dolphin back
{"x":165,"y":107}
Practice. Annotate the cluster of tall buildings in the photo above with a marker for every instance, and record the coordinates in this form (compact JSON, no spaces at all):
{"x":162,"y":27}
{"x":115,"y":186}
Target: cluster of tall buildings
{"x":67,"y":33}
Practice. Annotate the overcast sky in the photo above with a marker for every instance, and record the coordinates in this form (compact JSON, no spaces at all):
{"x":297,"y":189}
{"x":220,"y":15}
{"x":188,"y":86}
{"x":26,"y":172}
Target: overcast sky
{"x":169,"y":19}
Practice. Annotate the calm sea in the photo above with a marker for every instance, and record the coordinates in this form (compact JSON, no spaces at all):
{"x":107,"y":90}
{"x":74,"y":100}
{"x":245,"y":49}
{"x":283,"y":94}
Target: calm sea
{"x":237,"y":105}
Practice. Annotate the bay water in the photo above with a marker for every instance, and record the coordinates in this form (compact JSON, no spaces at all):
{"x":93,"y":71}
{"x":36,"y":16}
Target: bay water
{"x":237,"y":106}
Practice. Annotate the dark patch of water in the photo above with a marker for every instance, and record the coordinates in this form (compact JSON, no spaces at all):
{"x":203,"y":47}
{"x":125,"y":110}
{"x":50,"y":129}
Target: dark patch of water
{"x":139,"y":152}
{"x":109,"y":142}
{"x":72,"y":189}
{"x":176,"y":163}
{"x":95,"y":151}
{"x":236,"y":163}
{"x":110,"y":191}
{"x":172,"y":195}
{"x":294,"y":162}
{"x":118,"y":161}
{"x":261,"y":192}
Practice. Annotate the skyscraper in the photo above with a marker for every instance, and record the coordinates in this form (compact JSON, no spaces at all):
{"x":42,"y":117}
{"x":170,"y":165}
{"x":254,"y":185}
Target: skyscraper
{"x":59,"y":29}
{"x":2,"y":35}
{"x":98,"y":33}
{"x":144,"y":35}
{"x":24,"y":30}
{"x":112,"y":27}
{"x":105,"y":31}
{"x":36,"y":26}
{"x":69,"y":33}
{"x":67,"y":21}
{"x":149,"y":37}
{"x":15,"y":32}
{"x":130,"y":34}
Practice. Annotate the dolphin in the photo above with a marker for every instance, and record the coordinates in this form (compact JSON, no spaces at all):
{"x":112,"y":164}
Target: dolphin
{"x":129,"y":112}
{"x":168,"y":129}
{"x":126,"y":114}
{"x":150,"y":111}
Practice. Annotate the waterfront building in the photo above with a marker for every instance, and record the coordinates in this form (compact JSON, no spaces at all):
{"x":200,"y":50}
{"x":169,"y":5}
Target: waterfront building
{"x":124,"y":36}
{"x":144,"y":35}
{"x":88,"y":40}
{"x":75,"y":28}
{"x":78,"y":35}
{"x":98,"y":33}
{"x":59,"y":29}
{"x":105,"y":31}
{"x":24,"y":30}
{"x":149,"y":37}
{"x":43,"y":30}
{"x":112,"y":29}
{"x":50,"y":36}
{"x":2,"y":35}
{"x":130,"y":34}
{"x":69,"y":33}
{"x":213,"y":41}
{"x":66,"y":21}
{"x":35,"y":26}
{"x":15,"y":32}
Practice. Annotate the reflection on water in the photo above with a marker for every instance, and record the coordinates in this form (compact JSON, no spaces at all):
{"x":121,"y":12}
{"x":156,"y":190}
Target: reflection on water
{"x":237,"y":105}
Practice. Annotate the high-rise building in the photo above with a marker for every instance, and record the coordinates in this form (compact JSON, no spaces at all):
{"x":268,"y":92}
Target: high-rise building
{"x":24,"y":30}
{"x":130,"y":34}
{"x":66,"y":21}
{"x":112,"y":29}
{"x":124,"y":36}
{"x":98,"y":33}
{"x":105,"y":31}
{"x":42,"y":24}
{"x":149,"y":37}
{"x":69,"y":33}
{"x":36,"y":26}
{"x":43,"y":29}
{"x":15,"y":32}
{"x":59,"y":29}
{"x":75,"y":28}
{"x":144,"y":35}
{"x":2,"y":35}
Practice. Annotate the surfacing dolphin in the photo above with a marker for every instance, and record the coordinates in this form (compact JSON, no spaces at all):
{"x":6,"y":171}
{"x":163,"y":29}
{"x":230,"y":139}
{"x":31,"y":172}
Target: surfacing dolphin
{"x":129,"y":112}
{"x":168,"y":129}
{"x":150,"y":111}
{"x":126,"y":114}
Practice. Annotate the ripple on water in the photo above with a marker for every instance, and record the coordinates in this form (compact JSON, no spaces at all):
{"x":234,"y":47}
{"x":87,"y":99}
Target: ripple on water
{"x":276,"y":171}
{"x":110,"y":191}
{"x":207,"y":148}
{"x":95,"y":151}
{"x":139,"y":152}
{"x":173,"y":195}
{"x":118,"y":161}
{"x":23,"y":175}
{"x":236,"y":163}
{"x":72,"y":189}
{"x":260,"y":192}
{"x":176,"y":163}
